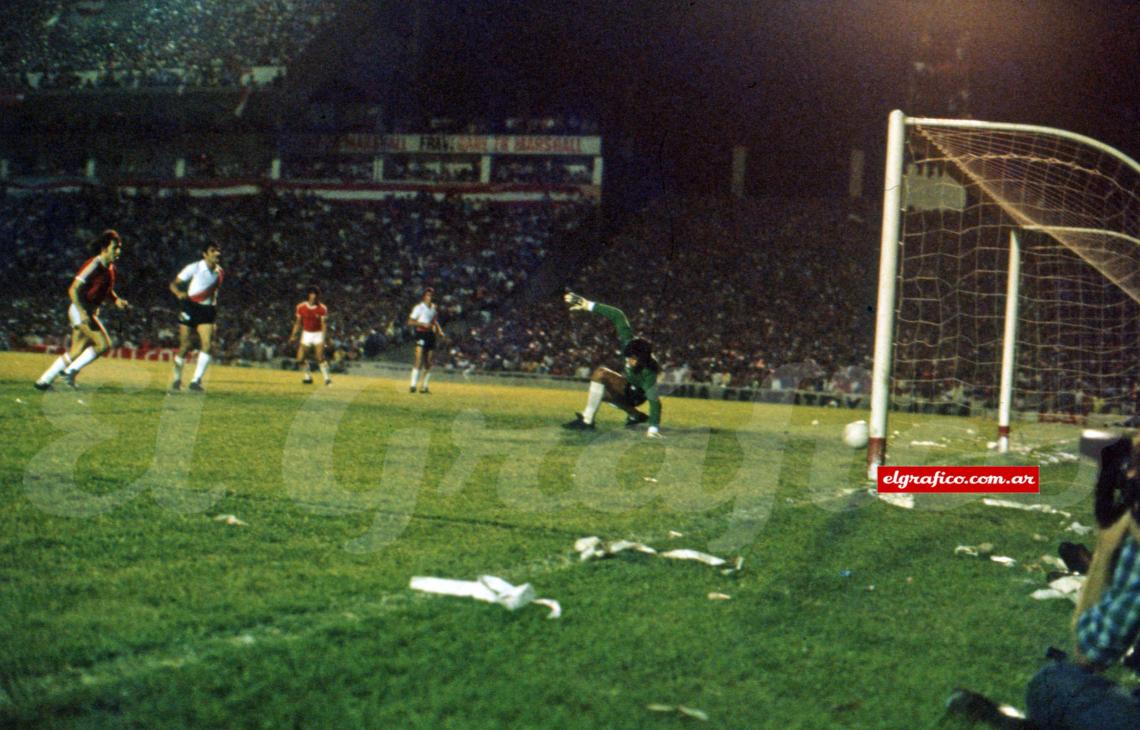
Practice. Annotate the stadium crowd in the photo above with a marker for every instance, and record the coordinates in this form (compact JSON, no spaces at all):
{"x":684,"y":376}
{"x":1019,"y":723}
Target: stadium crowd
{"x":736,"y":293}
{"x":771,"y":293}
{"x":371,"y":261}
{"x":171,"y":43}
{"x":745,"y":294}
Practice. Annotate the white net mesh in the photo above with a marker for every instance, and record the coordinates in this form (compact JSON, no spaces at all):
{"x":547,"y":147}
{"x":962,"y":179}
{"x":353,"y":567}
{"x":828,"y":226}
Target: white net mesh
{"x":1077,"y":213}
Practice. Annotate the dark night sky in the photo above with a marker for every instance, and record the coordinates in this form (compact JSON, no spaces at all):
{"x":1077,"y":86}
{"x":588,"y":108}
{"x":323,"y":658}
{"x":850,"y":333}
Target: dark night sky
{"x":676,"y":83}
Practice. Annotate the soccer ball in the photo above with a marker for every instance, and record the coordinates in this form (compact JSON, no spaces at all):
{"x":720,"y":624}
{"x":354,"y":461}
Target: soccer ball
{"x":855,"y":434}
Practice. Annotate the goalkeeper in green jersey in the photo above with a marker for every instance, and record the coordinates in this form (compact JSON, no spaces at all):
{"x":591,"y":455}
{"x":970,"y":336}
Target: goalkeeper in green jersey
{"x":626,"y":390}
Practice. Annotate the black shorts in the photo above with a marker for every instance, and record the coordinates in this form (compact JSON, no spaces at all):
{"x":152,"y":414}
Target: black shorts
{"x":425,"y":339}
{"x":634,"y":396}
{"x":193,"y":314}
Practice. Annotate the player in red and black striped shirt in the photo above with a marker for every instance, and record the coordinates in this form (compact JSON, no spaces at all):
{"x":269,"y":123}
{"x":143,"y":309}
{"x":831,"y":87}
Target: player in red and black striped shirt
{"x":93,"y":284}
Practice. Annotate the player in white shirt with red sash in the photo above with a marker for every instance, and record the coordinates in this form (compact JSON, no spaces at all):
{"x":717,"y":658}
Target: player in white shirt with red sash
{"x":425,"y":320}
{"x":93,"y":284}
{"x":311,"y":324}
{"x":196,"y":288}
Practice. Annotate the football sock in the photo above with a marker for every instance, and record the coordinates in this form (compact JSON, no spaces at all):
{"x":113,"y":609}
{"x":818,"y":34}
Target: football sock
{"x":83,"y":360}
{"x":203,"y":363}
{"x":56,"y":368}
{"x":325,"y":370}
{"x":593,"y":400}
{"x":415,"y":376}
{"x":178,"y":363}
{"x":427,"y":377}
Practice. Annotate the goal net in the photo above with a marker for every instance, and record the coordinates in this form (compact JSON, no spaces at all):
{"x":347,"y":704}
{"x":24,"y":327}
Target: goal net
{"x":966,"y":205}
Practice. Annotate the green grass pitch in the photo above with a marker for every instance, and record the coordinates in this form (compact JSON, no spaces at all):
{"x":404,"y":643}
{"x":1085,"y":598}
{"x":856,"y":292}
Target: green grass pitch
{"x":124,"y":602}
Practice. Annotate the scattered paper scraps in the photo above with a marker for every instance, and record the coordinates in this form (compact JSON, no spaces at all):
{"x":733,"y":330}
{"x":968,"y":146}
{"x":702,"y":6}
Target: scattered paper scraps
{"x":1003,"y":560}
{"x":975,"y":551}
{"x":1009,"y":504}
{"x":736,"y":567}
{"x":595,"y":548}
{"x":1054,"y":562}
{"x":1079,"y":528}
{"x":1068,"y":587}
{"x":906,"y":501}
{"x":554,"y":606}
{"x":680,"y":710}
{"x":696,"y":555}
{"x":719,"y":597}
{"x":489,"y":589}
{"x":230,"y":520}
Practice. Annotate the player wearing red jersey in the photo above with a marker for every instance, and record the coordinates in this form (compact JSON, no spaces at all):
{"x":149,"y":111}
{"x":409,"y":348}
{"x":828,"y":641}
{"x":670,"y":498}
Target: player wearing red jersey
{"x":196,"y":288}
{"x":311,"y":323}
{"x":93,"y":284}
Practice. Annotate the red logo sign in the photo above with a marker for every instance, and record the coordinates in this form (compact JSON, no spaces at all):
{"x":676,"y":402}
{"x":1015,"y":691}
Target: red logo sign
{"x":959,"y":479}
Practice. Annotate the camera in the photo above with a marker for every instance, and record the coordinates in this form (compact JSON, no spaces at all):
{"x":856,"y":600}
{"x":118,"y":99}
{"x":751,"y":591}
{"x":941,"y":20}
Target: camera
{"x":1117,"y":485}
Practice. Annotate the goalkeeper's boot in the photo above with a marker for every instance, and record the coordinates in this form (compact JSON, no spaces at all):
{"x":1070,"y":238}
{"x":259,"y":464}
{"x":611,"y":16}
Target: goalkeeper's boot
{"x":176,"y":385}
{"x":196,"y":386}
{"x":43,"y":386}
{"x":69,"y":378}
{"x":636,"y":418}
{"x":578,"y":424}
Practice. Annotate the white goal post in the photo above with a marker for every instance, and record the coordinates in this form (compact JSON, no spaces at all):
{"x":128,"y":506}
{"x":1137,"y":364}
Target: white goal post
{"x":1009,"y":276}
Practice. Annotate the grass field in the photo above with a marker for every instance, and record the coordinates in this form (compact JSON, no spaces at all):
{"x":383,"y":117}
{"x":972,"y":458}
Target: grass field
{"x":124,"y":602}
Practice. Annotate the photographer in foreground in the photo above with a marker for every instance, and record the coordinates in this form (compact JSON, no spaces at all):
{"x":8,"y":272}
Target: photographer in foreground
{"x":1075,"y":694}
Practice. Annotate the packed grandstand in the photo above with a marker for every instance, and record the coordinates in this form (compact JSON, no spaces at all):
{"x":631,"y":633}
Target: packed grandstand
{"x":777,"y":259}
{"x":498,"y":214}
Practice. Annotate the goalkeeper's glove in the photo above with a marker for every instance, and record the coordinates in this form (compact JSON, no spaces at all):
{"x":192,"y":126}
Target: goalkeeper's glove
{"x":653,"y":433}
{"x":578,"y":302}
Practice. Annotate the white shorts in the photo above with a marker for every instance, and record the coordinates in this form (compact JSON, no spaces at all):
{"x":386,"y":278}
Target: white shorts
{"x":312,"y":339}
{"x":75,"y":318}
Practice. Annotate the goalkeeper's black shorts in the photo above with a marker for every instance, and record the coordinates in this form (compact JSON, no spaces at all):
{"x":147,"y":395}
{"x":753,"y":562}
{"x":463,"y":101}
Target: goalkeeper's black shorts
{"x":634,"y":396}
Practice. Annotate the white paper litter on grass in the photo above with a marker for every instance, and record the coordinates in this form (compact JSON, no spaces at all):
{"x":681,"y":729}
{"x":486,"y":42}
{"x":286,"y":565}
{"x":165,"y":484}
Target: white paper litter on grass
{"x":1046,"y":509}
{"x":594,"y":548}
{"x":1003,"y":560}
{"x":489,"y":589}
{"x":974,"y":551}
{"x":1079,"y":528}
{"x":695,"y":555}
{"x":1068,"y":586}
{"x":906,"y":501}
{"x":554,"y":606}
{"x":622,"y":545}
{"x":737,"y":565}
{"x":681,"y":710}
{"x":1054,"y":562}
{"x":230,"y":520}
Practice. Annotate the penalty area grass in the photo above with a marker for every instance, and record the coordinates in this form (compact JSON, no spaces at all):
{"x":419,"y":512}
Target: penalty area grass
{"x":125,"y":601}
